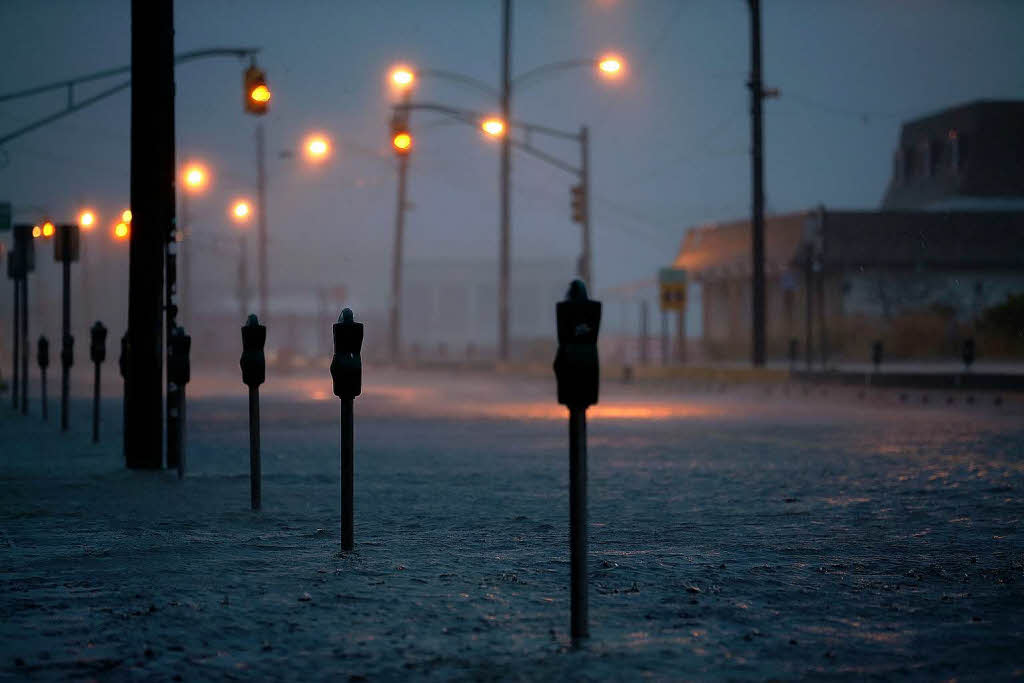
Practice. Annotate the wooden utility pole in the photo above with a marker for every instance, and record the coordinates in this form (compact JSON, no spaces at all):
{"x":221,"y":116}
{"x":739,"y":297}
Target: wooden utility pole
{"x":757,"y":164}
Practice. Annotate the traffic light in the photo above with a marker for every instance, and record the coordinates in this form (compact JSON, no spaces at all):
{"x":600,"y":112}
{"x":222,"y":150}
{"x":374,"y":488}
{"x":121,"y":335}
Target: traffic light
{"x":257,"y":94}
{"x":401,"y":139}
{"x":578,"y":202}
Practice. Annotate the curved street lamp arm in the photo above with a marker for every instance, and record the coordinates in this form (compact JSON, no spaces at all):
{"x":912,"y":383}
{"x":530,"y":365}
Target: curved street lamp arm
{"x":474,"y":83}
{"x":536,"y":72}
{"x":69,"y":110}
{"x":240,"y":52}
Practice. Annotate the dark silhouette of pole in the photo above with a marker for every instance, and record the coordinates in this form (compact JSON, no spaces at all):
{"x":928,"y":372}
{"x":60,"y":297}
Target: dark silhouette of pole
{"x":664,"y":338}
{"x":254,"y":373}
{"x":681,"y":336}
{"x":152,"y":205}
{"x":643,"y":332}
{"x":122,"y":366}
{"x":65,"y":251}
{"x":504,"y":238}
{"x":186,"y":262}
{"x":15,"y":336}
{"x":43,"y":359}
{"x":757,"y":159}
{"x":243,"y":273}
{"x":179,"y":345}
{"x":261,"y":217}
{"x":400,"y":119}
{"x":808,"y":307}
{"x":586,"y":258}
{"x":346,"y":372}
{"x":577,"y":373}
{"x":24,"y":343}
{"x":97,"y":353}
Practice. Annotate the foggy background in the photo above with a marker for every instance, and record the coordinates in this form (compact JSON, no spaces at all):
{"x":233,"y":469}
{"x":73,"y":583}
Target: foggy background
{"x":669,"y":140}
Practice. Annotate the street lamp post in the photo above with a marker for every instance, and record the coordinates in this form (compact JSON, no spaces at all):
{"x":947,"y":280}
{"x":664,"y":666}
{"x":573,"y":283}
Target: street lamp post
{"x":241,"y":212}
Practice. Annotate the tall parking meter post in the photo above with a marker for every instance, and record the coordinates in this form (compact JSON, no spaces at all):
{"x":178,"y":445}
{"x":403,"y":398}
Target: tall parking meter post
{"x":43,"y":358}
{"x":97,"y":353}
{"x":577,"y":373}
{"x":254,"y":373}
{"x":347,"y":372}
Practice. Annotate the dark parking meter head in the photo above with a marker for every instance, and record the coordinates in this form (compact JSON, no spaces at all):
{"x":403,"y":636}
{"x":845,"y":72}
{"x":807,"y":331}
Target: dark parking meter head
{"x":253,"y":362}
{"x":347,"y":365}
{"x":98,"y":342}
{"x":43,"y":352}
{"x":179,"y":369}
{"x":576,"y":363}
{"x":876,"y":352}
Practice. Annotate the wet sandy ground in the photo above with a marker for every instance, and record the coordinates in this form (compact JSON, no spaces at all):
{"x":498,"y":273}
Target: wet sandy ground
{"x":732,"y":537}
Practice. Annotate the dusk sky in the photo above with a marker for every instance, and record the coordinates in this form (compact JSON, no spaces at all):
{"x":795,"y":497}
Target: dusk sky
{"x":670,"y":140}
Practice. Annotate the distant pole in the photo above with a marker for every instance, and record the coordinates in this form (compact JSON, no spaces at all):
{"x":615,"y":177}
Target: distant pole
{"x":97,"y":353}
{"x":243,"y":274}
{"x":16,"y":339}
{"x":643,"y":332}
{"x":186,"y":262}
{"x":808,"y":308}
{"x":24,"y":343}
{"x":152,"y":205}
{"x":681,"y":336}
{"x":504,"y":237}
{"x":396,"y":263}
{"x":664,"y":338}
{"x":43,"y":358}
{"x":261,"y":217}
{"x":587,"y":261}
{"x":757,"y":158}
{"x":67,"y":341}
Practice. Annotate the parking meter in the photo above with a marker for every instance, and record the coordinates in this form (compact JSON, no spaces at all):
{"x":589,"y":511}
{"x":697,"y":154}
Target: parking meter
{"x":98,"y":342}
{"x":347,"y":365}
{"x":576,"y":362}
{"x":253,"y":362}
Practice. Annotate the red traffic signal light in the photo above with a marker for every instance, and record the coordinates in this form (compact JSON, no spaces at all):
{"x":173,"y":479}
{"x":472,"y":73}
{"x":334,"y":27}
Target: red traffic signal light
{"x":578,"y":203}
{"x":257,"y":95}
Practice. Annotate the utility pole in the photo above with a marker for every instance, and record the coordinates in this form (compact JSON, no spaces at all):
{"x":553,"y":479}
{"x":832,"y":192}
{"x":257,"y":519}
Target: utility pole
{"x":586,"y":264}
{"x":261,"y":216}
{"x":152,"y":204}
{"x":505,"y":172}
{"x":757,"y":158}
{"x":399,"y":120}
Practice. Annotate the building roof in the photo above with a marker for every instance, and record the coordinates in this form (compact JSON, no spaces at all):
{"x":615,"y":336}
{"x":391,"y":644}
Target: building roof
{"x":724,"y":249}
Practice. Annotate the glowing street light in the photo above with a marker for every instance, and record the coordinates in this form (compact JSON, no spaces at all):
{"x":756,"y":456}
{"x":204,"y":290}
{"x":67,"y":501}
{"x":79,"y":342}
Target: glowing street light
{"x":493,"y":126}
{"x":87,"y":219}
{"x":195,"y":177}
{"x":126,"y":216}
{"x":241,"y":211}
{"x":37,"y":231}
{"x":402,"y":77}
{"x":610,"y":66}
{"x":402,"y":143}
{"x":121,"y":231}
{"x":48,"y":229}
{"x":317,"y":147}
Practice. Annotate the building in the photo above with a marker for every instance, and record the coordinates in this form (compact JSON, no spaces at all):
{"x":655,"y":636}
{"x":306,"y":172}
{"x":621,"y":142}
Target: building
{"x":947,"y":244}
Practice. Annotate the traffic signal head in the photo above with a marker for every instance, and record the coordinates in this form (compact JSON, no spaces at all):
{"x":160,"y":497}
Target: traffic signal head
{"x":578,"y":203}
{"x":257,"y":94}
{"x":401,"y":139}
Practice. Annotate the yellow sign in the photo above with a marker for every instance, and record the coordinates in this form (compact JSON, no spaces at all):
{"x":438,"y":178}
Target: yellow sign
{"x":672,"y":289}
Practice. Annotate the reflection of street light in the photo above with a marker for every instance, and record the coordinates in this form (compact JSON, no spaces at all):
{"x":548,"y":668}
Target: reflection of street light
{"x":87,"y":219}
{"x":610,"y":66}
{"x":317,"y":147}
{"x":493,"y":126}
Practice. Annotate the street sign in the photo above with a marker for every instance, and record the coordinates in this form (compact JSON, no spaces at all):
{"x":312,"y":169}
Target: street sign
{"x":672,"y":289}
{"x":5,"y":216}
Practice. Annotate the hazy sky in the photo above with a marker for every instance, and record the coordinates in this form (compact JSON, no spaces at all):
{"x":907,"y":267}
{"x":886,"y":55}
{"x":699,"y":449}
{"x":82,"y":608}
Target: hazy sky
{"x":670,"y":141}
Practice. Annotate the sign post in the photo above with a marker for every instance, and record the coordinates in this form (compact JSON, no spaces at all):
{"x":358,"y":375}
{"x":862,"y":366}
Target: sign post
{"x":672,"y":297}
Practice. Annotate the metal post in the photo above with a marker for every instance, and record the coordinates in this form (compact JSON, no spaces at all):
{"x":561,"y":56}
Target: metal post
{"x":16,"y":339}
{"x":643,"y":332}
{"x":664,"y":338}
{"x":66,"y":340}
{"x":586,"y":257}
{"x":505,"y":176}
{"x":396,"y":263}
{"x":757,"y":159}
{"x":24,"y":344}
{"x":243,"y":275}
{"x":172,"y":406}
{"x":186,"y":262}
{"x":152,"y":205}
{"x":96,"y":404}
{"x":261,"y":217}
{"x":347,"y":466}
{"x":681,"y":336}
{"x":821,"y":319}
{"x":255,"y":470}
{"x":808,"y":308}
{"x":578,"y":520}
{"x":42,"y":379}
